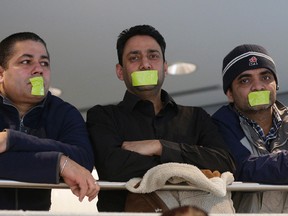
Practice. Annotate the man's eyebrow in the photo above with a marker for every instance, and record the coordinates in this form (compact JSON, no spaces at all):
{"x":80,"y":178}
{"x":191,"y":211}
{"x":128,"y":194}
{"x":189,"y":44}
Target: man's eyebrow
{"x":266,"y":72}
{"x":27,"y":55}
{"x":249,"y":75}
{"x":45,"y":57}
{"x":31,"y":56}
{"x":153,"y":50}
{"x":138,"y":51}
{"x":243,"y":76}
{"x":134,"y":52}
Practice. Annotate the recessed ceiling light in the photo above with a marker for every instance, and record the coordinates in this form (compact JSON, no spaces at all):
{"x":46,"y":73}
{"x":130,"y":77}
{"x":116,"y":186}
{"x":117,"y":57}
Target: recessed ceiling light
{"x":180,"y":68}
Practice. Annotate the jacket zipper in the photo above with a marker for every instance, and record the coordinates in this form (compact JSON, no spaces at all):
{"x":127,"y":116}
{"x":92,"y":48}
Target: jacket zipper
{"x":21,"y":127}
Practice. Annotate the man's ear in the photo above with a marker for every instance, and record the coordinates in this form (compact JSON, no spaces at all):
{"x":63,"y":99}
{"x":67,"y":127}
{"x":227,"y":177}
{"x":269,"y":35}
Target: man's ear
{"x":119,"y":71}
{"x":230,"y":95}
{"x":165,"y":68}
{"x":1,"y":74}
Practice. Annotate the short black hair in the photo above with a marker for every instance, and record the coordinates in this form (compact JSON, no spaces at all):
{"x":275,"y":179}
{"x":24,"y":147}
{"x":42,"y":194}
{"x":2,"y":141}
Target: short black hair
{"x":7,"y":45}
{"x":126,"y":34}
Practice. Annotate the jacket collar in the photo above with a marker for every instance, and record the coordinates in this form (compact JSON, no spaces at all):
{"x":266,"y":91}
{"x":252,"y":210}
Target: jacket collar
{"x":131,"y":100}
{"x":6,"y":101}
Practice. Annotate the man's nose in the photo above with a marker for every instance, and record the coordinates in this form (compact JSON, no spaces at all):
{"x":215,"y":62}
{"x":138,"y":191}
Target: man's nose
{"x":38,"y":69}
{"x":258,"y":85}
{"x":145,"y":64}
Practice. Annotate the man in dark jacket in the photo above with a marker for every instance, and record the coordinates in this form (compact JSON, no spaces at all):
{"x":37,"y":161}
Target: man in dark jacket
{"x":43,"y":138}
{"x":255,"y":126}
{"x":148,"y":128}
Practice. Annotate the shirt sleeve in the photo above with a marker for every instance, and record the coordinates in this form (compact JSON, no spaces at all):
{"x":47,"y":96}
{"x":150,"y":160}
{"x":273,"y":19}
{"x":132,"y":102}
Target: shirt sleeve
{"x":207,"y":151}
{"x":30,"y":166}
{"x":112,"y":162}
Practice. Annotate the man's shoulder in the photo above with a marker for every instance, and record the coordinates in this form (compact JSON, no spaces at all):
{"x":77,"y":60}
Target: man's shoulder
{"x":223,"y":111}
{"x":99,"y":109}
{"x":281,"y":107}
{"x":192,"y":109}
{"x":195,"y":113}
{"x":54,"y":102}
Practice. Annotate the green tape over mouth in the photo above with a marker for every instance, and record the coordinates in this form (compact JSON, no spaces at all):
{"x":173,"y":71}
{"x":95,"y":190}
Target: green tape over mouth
{"x":37,"y":86}
{"x":142,"y":78}
{"x":259,"y":98}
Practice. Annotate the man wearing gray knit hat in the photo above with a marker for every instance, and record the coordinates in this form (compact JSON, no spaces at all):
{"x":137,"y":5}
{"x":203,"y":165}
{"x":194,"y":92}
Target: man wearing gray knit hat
{"x":245,"y":57}
{"x":255,"y":127}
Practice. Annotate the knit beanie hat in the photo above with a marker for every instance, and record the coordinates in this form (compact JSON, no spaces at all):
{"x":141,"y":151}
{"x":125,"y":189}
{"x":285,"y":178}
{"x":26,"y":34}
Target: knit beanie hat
{"x":245,"y":57}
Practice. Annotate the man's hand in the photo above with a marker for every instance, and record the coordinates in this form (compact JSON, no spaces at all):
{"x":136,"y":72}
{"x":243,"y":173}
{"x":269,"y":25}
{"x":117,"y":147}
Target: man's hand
{"x":209,"y":174}
{"x":79,"y":179}
{"x":144,"y":147}
{"x":3,"y":141}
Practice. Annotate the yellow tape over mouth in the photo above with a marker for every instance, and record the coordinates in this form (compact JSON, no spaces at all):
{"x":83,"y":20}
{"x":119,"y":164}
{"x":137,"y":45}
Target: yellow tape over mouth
{"x":259,"y":98}
{"x":37,"y":86}
{"x":142,"y":78}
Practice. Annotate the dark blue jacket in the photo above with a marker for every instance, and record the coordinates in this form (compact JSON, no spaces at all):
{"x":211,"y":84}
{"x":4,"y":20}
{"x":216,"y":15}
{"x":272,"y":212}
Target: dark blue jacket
{"x":261,"y":165}
{"x":34,"y":146}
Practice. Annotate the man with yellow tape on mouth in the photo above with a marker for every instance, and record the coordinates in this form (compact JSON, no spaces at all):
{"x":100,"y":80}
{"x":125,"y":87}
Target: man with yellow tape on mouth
{"x":255,"y":127}
{"x":147,"y":127}
{"x":43,"y":139}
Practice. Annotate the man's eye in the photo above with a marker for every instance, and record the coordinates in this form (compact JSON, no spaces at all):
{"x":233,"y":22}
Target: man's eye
{"x":25,"y":62}
{"x":244,"y":81}
{"x":267,"y":78}
{"x":45,"y":64}
{"x":133,"y":58}
{"x":154,"y":56}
